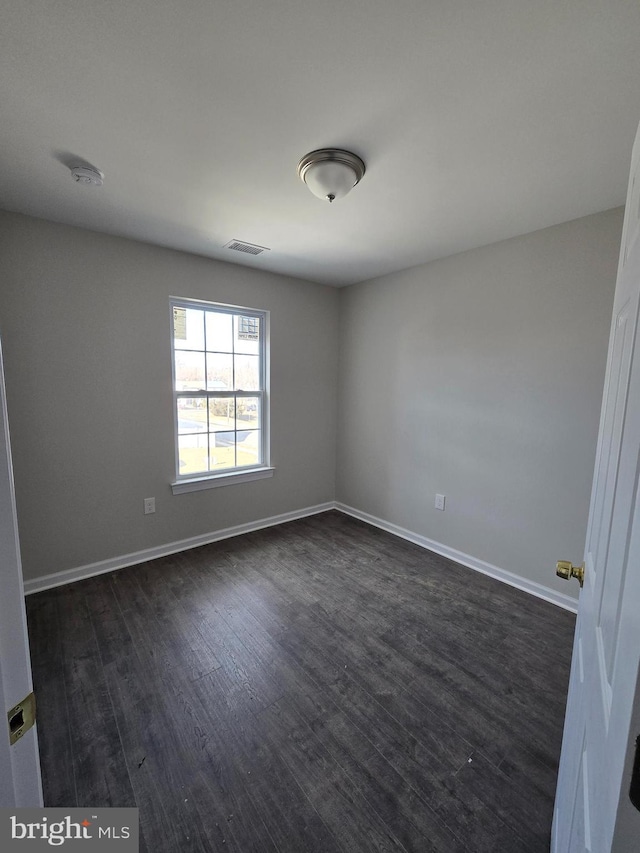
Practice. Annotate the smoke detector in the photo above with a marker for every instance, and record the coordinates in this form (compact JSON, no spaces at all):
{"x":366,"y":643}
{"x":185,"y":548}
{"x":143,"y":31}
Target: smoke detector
{"x":87,"y":175}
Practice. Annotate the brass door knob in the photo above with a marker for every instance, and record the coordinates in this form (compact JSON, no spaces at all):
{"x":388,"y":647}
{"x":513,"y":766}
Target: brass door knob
{"x":566,"y":570}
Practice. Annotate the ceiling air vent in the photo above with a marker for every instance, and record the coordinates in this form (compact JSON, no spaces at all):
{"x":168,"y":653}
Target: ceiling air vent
{"x":247,"y":248}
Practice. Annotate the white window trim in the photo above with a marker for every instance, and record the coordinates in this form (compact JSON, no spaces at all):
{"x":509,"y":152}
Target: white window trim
{"x":199,"y":482}
{"x":213,"y":481}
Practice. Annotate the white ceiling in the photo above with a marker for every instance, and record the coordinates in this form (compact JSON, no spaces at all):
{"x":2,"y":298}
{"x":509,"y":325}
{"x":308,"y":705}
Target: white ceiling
{"x":477,"y":119}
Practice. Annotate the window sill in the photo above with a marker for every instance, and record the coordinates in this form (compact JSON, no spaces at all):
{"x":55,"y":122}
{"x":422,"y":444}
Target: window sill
{"x":197,"y":484}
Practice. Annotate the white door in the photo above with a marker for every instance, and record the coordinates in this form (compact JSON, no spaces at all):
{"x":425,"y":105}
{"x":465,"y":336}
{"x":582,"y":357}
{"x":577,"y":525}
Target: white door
{"x":20,"y":783}
{"x":606,"y":650}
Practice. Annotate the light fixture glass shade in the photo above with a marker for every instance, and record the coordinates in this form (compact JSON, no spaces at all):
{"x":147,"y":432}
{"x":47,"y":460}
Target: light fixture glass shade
{"x":331,"y":173}
{"x":330,"y":180}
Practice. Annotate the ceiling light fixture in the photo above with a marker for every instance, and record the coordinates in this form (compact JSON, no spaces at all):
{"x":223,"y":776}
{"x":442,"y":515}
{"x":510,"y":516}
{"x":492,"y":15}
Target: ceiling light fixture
{"x":330,"y":173}
{"x":87,"y":175}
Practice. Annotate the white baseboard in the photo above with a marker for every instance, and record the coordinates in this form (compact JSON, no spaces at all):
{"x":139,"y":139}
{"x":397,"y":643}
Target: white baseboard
{"x":540,"y":591}
{"x":93,"y":569}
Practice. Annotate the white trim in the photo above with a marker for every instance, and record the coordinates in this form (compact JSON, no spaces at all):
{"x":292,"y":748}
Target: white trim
{"x":197,"y":484}
{"x":540,"y":591}
{"x":93,"y":569}
{"x":262,"y":393}
{"x":21,"y":783}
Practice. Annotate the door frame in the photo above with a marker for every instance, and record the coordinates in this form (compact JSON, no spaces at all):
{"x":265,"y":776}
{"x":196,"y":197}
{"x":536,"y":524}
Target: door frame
{"x":20,"y":780}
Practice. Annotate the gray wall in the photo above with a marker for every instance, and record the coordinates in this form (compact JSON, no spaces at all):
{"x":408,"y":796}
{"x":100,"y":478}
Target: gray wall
{"x":480,"y":376}
{"x":84,"y":320}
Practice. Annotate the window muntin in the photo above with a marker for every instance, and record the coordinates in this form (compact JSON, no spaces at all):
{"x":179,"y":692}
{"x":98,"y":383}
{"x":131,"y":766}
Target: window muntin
{"x":219,"y":377}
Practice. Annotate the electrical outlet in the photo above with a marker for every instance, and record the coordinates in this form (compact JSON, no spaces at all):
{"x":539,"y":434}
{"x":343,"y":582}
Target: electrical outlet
{"x":149,"y":505}
{"x":440,"y":499}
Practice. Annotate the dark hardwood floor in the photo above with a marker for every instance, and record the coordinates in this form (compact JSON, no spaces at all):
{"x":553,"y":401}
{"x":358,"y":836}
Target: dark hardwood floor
{"x":318,"y":686}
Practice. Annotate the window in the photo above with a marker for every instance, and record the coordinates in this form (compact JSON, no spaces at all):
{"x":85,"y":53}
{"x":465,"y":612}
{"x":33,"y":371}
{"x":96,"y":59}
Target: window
{"x":219,"y":375}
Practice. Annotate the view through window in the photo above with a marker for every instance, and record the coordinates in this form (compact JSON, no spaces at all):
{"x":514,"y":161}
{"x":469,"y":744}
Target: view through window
{"x":219,"y":387}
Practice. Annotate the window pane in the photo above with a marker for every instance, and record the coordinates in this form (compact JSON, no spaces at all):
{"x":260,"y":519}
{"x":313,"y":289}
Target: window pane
{"x":192,"y":453}
{"x":247,"y":369}
{"x":249,"y":449}
{"x":219,"y":372}
{"x":219,"y":331}
{"x":246,"y":334}
{"x":222,"y":414}
{"x":223,"y":450}
{"x":192,"y":414}
{"x":188,"y":328}
{"x":189,"y":370}
{"x":247,"y":413}
{"x":218,"y":353}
